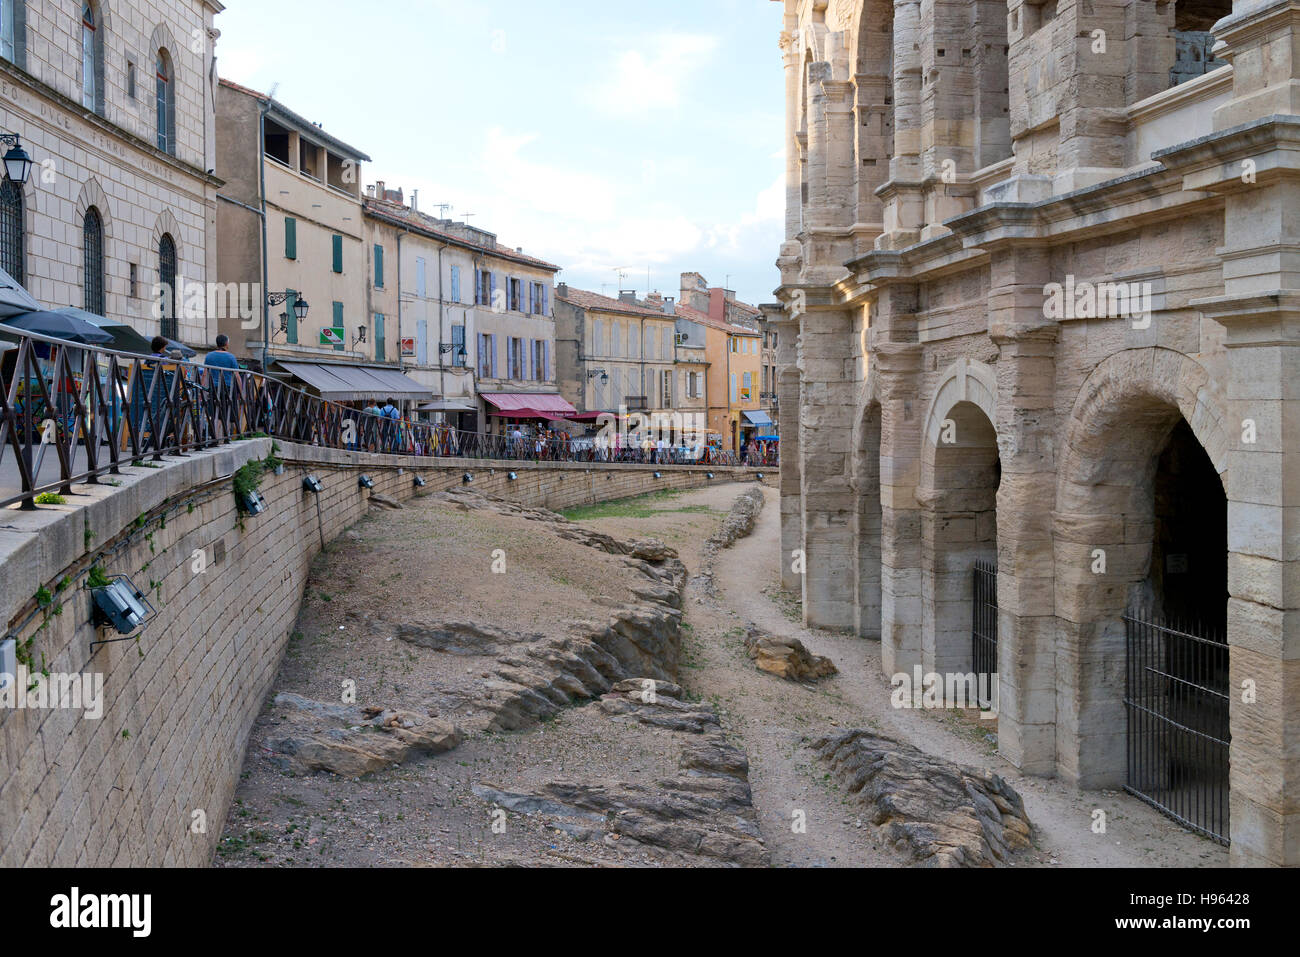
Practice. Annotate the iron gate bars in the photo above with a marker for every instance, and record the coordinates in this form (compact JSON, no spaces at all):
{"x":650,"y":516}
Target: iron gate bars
{"x":984,"y":627}
{"x":1176,"y":699}
{"x":94,"y":410}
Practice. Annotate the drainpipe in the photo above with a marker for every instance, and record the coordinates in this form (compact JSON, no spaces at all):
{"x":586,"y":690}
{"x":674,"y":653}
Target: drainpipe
{"x":261,"y":170}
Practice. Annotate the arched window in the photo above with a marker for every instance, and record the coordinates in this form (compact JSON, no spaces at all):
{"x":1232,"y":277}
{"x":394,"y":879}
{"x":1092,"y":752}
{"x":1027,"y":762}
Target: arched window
{"x":92,"y":59}
{"x":167,"y":285}
{"x":166,"y":101}
{"x":12,"y":234}
{"x":92,"y":257}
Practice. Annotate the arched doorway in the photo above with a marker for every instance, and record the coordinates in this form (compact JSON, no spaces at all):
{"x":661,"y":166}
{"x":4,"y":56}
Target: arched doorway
{"x":960,"y":475}
{"x":867,"y":530}
{"x":1141,"y":572}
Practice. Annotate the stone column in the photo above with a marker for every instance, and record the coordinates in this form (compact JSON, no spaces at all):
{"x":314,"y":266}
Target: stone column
{"x":904,"y":204}
{"x":787,"y":391}
{"x":898,"y":366}
{"x":827,"y":361}
{"x":1257,"y":169}
{"x":790,"y":57}
{"x":1026,"y":426}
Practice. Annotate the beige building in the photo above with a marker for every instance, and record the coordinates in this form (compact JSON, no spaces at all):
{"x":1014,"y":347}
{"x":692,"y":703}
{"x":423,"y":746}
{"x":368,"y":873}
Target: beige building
{"x":616,"y":354}
{"x":473,"y":320}
{"x":115,"y":106}
{"x":1037,"y":363}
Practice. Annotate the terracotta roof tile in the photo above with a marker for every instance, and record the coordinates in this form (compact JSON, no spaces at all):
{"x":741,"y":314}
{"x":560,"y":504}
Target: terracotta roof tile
{"x":426,"y":225}
{"x":593,"y":300}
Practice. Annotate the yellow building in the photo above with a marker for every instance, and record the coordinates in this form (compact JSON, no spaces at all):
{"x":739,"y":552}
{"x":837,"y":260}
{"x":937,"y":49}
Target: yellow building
{"x":734,"y":379}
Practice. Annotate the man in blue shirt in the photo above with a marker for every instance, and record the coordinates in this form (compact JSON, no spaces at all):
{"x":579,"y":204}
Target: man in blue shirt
{"x":222,"y":358}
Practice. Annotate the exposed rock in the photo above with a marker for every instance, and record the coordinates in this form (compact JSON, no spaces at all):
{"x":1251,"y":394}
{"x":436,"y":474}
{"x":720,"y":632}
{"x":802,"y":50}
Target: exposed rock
{"x":786,"y":657}
{"x":652,"y":550}
{"x":705,"y":811}
{"x":352,"y":741}
{"x":656,"y":703}
{"x":739,"y":523}
{"x":461,"y":637}
{"x":943,"y":814}
{"x":383,"y":501}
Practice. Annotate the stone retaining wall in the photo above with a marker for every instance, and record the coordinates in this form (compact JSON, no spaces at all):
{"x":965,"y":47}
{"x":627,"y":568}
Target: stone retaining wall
{"x":149,"y":782}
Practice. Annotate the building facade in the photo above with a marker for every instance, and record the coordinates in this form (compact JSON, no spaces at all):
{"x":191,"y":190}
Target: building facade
{"x":616,"y":354}
{"x":116,"y":107}
{"x":1037,"y":332}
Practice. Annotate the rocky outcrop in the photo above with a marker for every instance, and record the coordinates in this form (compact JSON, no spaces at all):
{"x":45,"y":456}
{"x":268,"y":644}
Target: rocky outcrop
{"x":706,"y":810}
{"x":349,"y":740}
{"x":739,"y":523}
{"x":786,"y":657}
{"x":943,"y":814}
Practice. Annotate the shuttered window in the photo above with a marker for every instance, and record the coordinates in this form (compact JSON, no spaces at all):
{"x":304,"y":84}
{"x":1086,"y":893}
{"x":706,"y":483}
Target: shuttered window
{"x":338,"y":326}
{"x":379,"y":266}
{"x":379,"y":337}
{"x":338,"y":253}
{"x":290,"y":238}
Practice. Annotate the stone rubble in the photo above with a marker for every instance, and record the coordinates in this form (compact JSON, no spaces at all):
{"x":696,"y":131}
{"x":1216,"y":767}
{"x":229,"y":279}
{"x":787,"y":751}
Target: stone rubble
{"x":786,"y":657}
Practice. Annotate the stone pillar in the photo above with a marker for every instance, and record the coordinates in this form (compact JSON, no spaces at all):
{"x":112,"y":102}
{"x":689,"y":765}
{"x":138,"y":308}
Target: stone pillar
{"x":827,"y":362}
{"x":904,"y":204}
{"x":1026,"y":426}
{"x":1261,"y":314}
{"x":815,"y":211}
{"x":898,"y":368}
{"x":787,"y":392}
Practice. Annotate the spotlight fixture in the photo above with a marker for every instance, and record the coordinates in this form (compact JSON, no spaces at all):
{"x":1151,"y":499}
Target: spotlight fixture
{"x":252,"y":503}
{"x":419,"y":481}
{"x":467,"y":478}
{"x":708,"y":475}
{"x":8,"y":662}
{"x":366,"y":482}
{"x":659,"y":475}
{"x":121,"y":605}
{"x":312,"y":484}
{"x":511,"y":476}
{"x":760,"y":476}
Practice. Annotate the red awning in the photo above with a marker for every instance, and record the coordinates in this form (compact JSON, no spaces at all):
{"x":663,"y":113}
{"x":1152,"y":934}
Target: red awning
{"x":528,"y":405}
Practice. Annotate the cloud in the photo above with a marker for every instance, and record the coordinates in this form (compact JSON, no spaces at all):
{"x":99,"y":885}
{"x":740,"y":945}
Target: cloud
{"x":655,"y":77}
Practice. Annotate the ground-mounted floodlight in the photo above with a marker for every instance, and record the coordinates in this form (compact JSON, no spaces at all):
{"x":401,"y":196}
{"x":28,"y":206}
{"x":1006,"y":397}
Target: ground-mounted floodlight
{"x":252,"y":502}
{"x":312,"y":484}
{"x":122,"y":606}
{"x":467,"y":478}
{"x":366,"y":482}
{"x":419,"y":481}
{"x":8,"y":662}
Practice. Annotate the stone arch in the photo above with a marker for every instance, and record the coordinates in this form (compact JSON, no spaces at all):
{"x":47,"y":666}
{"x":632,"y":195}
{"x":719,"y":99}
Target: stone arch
{"x":960,"y":476}
{"x":92,"y":194}
{"x":167,"y":224}
{"x":966,"y":380}
{"x":1104,"y":533}
{"x":162,"y":39}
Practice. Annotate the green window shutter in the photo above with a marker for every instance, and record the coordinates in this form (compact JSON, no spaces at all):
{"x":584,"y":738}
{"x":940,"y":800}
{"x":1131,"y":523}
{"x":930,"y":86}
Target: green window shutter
{"x":338,"y":325}
{"x":338,"y":253}
{"x":379,"y":266}
{"x":379,"y":337}
{"x":290,"y":238}
{"x":292,"y":331}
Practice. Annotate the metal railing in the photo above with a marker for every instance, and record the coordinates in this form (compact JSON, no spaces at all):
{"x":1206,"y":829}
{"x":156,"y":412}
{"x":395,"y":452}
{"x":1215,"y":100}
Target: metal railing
{"x":984,"y":622}
{"x":91,"y":411}
{"x":1176,"y":697}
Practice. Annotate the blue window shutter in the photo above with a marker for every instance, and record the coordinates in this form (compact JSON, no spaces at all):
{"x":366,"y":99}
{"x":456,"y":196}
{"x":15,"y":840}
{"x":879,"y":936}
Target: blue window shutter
{"x":530,"y":298}
{"x":422,"y":342}
{"x":338,"y":325}
{"x":546,"y":300}
{"x":493,"y":346}
{"x":338,"y":253}
{"x":547,"y":366}
{"x":492,"y":291}
{"x":379,"y":337}
{"x":289,"y":303}
{"x":290,"y":238}
{"x":478,"y":287}
{"x":455,"y":284}
{"x":379,"y":266}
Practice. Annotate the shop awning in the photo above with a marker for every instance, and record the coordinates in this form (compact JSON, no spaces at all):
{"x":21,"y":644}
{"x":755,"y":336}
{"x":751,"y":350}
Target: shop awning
{"x":758,"y":418}
{"x":540,"y":405}
{"x":345,"y":383}
{"x":447,"y":405}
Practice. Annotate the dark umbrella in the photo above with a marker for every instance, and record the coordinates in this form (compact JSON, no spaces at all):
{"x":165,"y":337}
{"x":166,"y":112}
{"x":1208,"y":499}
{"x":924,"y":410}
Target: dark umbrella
{"x":125,"y":338}
{"x":60,"y":325}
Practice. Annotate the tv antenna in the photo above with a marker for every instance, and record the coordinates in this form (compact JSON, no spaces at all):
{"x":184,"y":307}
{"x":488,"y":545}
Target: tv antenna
{"x":443,"y":207}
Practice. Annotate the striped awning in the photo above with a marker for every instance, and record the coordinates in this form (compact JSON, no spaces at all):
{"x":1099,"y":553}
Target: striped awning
{"x":339,"y":382}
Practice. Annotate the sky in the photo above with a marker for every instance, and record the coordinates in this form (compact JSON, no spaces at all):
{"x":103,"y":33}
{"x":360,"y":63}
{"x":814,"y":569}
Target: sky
{"x":599,"y":135}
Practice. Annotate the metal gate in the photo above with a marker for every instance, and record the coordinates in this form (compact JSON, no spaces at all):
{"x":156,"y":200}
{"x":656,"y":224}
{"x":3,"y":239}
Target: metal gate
{"x":984,"y":626}
{"x":1176,"y":698}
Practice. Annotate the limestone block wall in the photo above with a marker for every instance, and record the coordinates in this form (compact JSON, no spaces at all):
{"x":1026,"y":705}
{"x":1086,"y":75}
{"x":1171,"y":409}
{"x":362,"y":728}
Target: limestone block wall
{"x":149,"y":782}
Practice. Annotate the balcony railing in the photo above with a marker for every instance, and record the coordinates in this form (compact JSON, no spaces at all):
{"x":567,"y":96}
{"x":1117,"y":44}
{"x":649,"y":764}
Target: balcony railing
{"x":74,"y":413}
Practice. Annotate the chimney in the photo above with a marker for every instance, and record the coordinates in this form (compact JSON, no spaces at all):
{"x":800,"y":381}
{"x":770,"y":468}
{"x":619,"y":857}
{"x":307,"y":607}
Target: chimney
{"x":670,"y":307}
{"x":380,"y":192}
{"x":628,"y":296}
{"x":415,"y":200}
{"x":562,"y":290}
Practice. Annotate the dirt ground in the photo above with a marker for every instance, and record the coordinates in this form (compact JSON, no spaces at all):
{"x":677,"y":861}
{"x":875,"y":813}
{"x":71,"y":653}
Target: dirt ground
{"x":433,"y":560}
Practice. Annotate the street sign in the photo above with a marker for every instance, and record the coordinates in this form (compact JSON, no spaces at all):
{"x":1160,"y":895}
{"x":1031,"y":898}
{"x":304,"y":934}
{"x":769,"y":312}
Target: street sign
{"x":331,"y":337}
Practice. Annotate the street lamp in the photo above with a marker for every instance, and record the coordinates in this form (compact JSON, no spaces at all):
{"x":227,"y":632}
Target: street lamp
{"x":300,"y":306}
{"x":18,"y":165}
{"x":359,"y":337}
{"x":604,"y":376}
